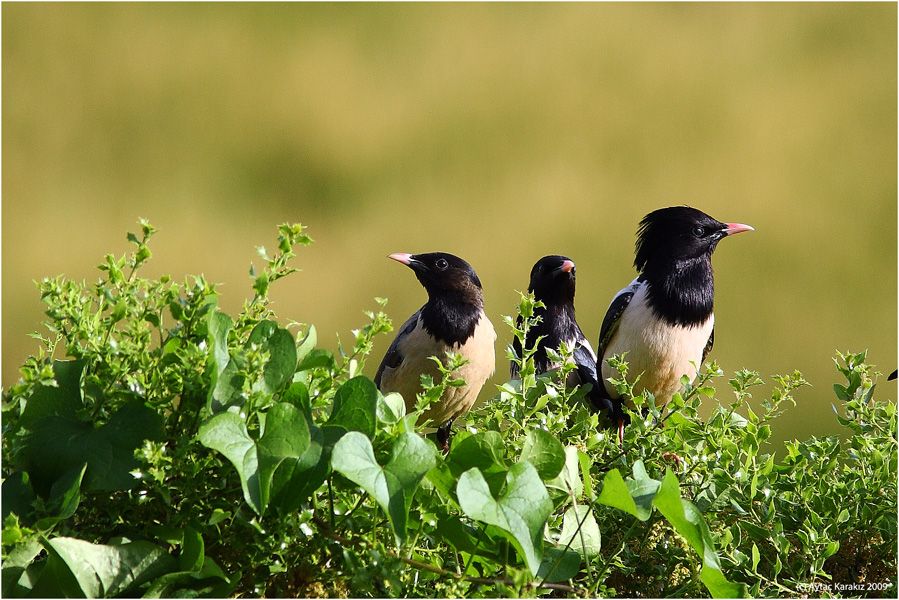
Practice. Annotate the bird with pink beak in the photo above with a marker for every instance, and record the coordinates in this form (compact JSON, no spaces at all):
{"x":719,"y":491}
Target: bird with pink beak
{"x":664,"y":320}
{"x":452,"y":320}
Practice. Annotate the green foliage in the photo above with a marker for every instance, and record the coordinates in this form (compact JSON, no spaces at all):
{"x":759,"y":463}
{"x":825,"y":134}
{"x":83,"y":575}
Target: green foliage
{"x":156,"y":446}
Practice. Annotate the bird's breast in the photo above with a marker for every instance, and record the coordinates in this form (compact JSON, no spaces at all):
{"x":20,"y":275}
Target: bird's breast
{"x":657,"y":351}
{"x":417,"y":348}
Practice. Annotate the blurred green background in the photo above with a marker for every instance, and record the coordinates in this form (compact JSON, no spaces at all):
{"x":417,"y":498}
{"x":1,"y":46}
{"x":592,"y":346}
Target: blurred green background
{"x":497,"y":132}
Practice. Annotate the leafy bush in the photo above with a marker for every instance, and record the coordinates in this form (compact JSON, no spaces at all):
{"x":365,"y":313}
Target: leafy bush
{"x":156,"y":446}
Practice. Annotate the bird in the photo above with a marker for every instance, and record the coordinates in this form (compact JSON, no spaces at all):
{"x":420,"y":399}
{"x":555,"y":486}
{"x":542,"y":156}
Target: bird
{"x":453,"y":319}
{"x":664,"y":318}
{"x":553,"y":283}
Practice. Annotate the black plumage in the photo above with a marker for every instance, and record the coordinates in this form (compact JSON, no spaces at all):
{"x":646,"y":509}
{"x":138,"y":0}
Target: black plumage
{"x":664,"y":319}
{"x":553,"y":283}
{"x":452,"y":319}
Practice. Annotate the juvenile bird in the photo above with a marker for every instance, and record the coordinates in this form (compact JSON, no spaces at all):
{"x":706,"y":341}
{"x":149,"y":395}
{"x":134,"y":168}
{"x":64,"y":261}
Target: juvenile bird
{"x":664,"y":318}
{"x":553,"y":282}
{"x":452,"y":319}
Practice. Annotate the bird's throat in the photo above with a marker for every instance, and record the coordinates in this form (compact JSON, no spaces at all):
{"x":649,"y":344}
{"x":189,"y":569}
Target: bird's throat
{"x":682,"y":293}
{"x":450,"y":319}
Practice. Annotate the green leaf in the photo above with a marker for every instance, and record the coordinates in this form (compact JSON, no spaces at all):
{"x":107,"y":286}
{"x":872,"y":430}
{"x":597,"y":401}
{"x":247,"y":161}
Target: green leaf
{"x":65,"y":494}
{"x":282,"y":361}
{"x":58,"y":445}
{"x":393,"y":485}
{"x":218,"y":326}
{"x":227,"y":433}
{"x":755,"y":557}
{"x":298,"y":395}
{"x":688,"y":522}
{"x":616,"y":493}
{"x":569,"y":479}
{"x":391,"y":408}
{"x":192,"y":551}
{"x":17,"y":495}
{"x":63,"y":400}
{"x":317,"y":358}
{"x":559,"y":565}
{"x":308,"y":343}
{"x":209,"y":582}
{"x":545,"y":452}
{"x":520,"y":510}
{"x":286,"y":437}
{"x":100,"y":570}
{"x":588,"y":540}
{"x":483,"y":450}
{"x":355,"y":406}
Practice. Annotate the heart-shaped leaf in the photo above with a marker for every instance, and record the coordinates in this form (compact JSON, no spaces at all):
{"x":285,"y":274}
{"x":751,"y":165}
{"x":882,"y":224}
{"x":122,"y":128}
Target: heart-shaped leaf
{"x":545,"y":452}
{"x":392,"y":485}
{"x":286,"y":437}
{"x":520,"y":511}
{"x":355,"y":406}
{"x":585,"y":539}
{"x":58,"y":445}
{"x":98,"y":570}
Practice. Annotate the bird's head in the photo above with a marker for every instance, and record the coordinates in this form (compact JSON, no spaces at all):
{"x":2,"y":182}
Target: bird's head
{"x":443,"y":274}
{"x":679,"y":233}
{"x":552,"y":279}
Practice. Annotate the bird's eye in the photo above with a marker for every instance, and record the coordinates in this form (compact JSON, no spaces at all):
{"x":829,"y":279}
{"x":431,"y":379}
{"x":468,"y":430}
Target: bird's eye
{"x":441,"y":264}
{"x":698,"y":231}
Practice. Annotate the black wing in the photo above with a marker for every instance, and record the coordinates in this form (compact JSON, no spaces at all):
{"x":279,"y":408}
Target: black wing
{"x":708,"y":345}
{"x":393,"y":358}
{"x":612,"y":318}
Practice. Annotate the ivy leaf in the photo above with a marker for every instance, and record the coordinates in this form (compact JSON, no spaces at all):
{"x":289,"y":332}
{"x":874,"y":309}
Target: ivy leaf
{"x":569,"y":479}
{"x":545,"y":452}
{"x":520,"y":511}
{"x":588,"y":540}
{"x":483,"y":450}
{"x":98,"y":571}
{"x":286,"y":437}
{"x":615,"y":493}
{"x":355,"y":406}
{"x":391,"y":408}
{"x":65,"y":495}
{"x":559,"y":565}
{"x":58,"y":445}
{"x":227,"y":433}
{"x":62,"y":400}
{"x":393,"y":485}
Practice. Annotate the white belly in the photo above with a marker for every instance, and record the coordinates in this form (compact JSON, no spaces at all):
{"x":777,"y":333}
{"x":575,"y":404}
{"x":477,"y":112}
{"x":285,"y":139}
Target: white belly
{"x":416,"y":349}
{"x":658,"y":352}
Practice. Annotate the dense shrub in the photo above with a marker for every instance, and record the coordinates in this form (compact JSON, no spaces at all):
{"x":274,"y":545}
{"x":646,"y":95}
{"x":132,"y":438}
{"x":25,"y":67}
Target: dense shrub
{"x":157,"y":446}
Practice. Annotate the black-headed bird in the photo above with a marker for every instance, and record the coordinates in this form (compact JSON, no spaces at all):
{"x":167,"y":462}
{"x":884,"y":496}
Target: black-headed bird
{"x":553,"y":283}
{"x":452,"y":319}
{"x":664,"y":319}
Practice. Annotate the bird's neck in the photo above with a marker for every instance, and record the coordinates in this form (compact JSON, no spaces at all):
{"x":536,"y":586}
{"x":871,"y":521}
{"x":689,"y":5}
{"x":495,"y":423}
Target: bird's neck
{"x":451,"y":318}
{"x":682,"y":292}
{"x":557,"y":324}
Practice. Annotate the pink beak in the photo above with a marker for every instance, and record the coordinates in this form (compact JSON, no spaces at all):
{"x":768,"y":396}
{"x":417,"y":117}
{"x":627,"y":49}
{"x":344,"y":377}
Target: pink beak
{"x":734,"y":228}
{"x":567,"y":266}
{"x":401,"y":257}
